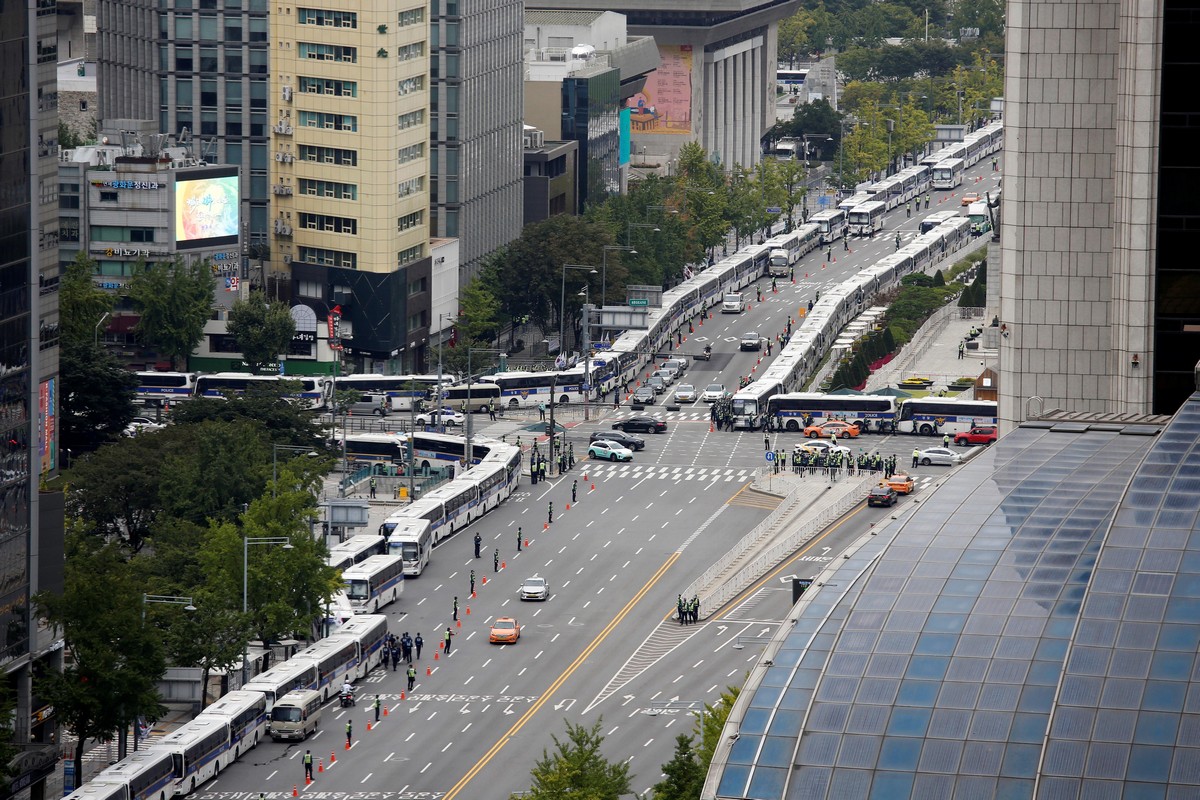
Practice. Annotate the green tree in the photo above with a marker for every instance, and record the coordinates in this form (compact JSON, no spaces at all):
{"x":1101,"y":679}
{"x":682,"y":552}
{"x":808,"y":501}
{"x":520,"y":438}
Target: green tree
{"x":175,"y":299}
{"x":280,"y":422}
{"x":478,"y":312}
{"x":263,"y":329}
{"x":96,"y":402}
{"x":81,"y":304}
{"x":213,"y":636}
{"x":115,"y":490}
{"x":577,"y":770}
{"x":288,"y":588}
{"x":212,"y":470}
{"x":116,"y":659}
{"x":684,"y":775}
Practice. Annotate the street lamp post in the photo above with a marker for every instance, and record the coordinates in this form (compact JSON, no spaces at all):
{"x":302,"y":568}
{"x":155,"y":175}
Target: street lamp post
{"x":562,"y":302}
{"x":189,"y":606}
{"x":587,"y":349}
{"x":604,"y":266}
{"x":246,"y":542}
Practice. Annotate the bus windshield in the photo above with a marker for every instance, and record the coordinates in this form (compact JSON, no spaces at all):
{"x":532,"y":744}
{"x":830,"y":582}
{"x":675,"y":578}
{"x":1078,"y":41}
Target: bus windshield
{"x":358,"y":589}
{"x":285,"y":714}
{"x":410,"y":551}
{"x":743,"y":406}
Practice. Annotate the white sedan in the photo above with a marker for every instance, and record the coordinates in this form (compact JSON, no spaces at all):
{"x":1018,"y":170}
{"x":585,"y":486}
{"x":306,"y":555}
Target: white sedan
{"x":449,"y":416}
{"x":139,"y":424}
{"x":714,"y":392}
{"x":685,"y":393}
{"x":941,"y":456}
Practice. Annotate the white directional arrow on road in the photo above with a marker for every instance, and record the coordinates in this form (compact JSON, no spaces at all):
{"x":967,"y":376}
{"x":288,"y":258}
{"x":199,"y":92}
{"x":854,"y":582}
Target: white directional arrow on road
{"x":509,"y":709}
{"x":564,"y":704}
{"x":764,"y":632}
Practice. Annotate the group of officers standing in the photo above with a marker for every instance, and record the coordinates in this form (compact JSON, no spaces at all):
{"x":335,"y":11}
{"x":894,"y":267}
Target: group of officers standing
{"x":804,"y":462}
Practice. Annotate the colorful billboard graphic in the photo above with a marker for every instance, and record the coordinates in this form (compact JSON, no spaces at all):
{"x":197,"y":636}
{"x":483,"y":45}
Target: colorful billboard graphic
{"x":48,"y":424}
{"x":665,"y":103}
{"x":206,"y":210}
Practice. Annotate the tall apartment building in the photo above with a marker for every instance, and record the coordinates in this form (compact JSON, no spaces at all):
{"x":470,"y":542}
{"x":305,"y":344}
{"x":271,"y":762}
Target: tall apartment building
{"x":475,"y":125}
{"x":349,"y":174}
{"x":200,"y":65}
{"x":31,"y":536}
{"x":1102,"y":304}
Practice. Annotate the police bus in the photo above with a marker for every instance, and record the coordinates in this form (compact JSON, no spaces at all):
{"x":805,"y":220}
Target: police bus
{"x":831,"y":224}
{"x":369,"y":632}
{"x":142,"y":775}
{"x":283,"y":678}
{"x":246,"y":713}
{"x":161,"y":388}
{"x":935,"y":219}
{"x":871,"y":412}
{"x":867,"y":219}
{"x":937,"y":416}
{"x":355,"y":550}
{"x":948,"y":173}
{"x":199,"y":750}
{"x":374,"y":583}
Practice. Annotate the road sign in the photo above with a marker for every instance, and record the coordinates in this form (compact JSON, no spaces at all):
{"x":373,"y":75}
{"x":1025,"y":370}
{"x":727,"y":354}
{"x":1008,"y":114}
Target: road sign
{"x":774,"y":210}
{"x":770,"y":456}
{"x":639,"y":301}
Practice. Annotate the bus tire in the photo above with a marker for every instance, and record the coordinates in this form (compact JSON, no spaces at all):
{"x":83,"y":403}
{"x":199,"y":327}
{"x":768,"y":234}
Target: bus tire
{"x":564,"y":400}
{"x":792,"y":425}
{"x":927,"y":430}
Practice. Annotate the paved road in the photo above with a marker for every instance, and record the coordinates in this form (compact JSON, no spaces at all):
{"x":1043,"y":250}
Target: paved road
{"x":603,"y":644}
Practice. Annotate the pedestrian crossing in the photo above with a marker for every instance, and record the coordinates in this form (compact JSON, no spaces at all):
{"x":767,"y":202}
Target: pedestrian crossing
{"x":699,"y":414}
{"x":631,"y":469}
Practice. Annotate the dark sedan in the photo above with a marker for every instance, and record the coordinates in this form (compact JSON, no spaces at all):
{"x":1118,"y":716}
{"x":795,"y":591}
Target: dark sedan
{"x":643,"y":424}
{"x":626,"y":439}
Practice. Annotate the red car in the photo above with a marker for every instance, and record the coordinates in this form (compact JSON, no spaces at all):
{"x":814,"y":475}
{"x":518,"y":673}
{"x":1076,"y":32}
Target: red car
{"x":984,"y":436}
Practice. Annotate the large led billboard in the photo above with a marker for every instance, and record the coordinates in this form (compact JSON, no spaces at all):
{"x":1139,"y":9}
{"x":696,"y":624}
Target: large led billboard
{"x":206,"y":209}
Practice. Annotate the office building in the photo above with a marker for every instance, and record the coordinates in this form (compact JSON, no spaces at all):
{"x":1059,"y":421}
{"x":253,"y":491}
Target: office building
{"x":475,"y":125}
{"x":199,"y":68}
{"x":1102,"y":307}
{"x":31,"y":537}
{"x":551,"y":176}
{"x":581,"y":67}
{"x":349,"y":175}
{"x":716,"y":81}
{"x":122,"y":204}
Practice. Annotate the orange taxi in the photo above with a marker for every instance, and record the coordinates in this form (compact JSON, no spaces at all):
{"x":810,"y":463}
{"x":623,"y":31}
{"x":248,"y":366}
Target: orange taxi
{"x":903,"y":484}
{"x":842,"y":430}
{"x":970,"y":197}
{"x":505,"y":630}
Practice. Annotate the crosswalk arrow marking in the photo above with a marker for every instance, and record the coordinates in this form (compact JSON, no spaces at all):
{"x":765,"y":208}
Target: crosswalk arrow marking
{"x":509,"y":709}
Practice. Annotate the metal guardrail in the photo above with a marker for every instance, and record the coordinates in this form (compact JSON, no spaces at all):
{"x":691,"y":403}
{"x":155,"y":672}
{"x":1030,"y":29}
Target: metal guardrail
{"x":761,"y":565}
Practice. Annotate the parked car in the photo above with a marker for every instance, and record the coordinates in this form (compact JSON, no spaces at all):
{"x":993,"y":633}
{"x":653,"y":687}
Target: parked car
{"x":634,"y":443}
{"x":884,"y":496}
{"x":645,"y":395}
{"x":970,"y":197}
{"x":642,"y":423}
{"x":983,"y":435}
{"x":714,"y":392}
{"x":139,"y":424}
{"x":505,"y":630}
{"x":685,"y":393}
{"x":535,"y":588}
{"x":608,"y":450}
{"x":449,"y":416}
{"x":940,"y":456}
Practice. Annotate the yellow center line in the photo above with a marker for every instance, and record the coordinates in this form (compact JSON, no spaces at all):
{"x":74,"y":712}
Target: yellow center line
{"x":566,"y":674}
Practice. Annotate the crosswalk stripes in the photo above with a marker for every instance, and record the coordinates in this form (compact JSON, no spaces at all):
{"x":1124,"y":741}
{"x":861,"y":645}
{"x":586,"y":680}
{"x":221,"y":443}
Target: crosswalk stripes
{"x":702,"y":474}
{"x":689,"y":415}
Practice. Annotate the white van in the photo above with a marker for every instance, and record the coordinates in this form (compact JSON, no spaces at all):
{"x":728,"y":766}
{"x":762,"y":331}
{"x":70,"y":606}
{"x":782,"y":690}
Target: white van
{"x":733,"y":303}
{"x":368,"y":404}
{"x":296,"y":715}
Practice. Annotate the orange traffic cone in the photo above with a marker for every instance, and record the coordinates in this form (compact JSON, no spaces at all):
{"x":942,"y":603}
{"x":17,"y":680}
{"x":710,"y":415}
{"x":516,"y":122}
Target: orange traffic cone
{"x":585,"y":476}
{"x":332,"y":758}
{"x":320,"y":765}
{"x":429,"y":670}
{"x":347,"y":745}
{"x":593,"y":487}
{"x":457,"y":622}
{"x":503,"y":565}
{"x":485,"y":580}
{"x":568,"y":506}
{"x":545,"y":526}
{"x":385,"y":708}
{"x":710,"y":428}
{"x":401,"y":695}
{"x":472,"y":595}
{"x":368,"y":724}
{"x":527,"y":543}
{"x":295,"y":793}
{"x":468,"y":610}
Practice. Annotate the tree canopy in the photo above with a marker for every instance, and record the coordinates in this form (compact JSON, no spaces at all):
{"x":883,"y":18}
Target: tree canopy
{"x":577,"y":770}
{"x":174,"y":299}
{"x":263,"y":329}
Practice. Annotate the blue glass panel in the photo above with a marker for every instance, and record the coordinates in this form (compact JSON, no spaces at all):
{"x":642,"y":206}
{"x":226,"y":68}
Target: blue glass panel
{"x":767,"y":783}
{"x":1028,"y":728}
{"x":787,"y":723}
{"x":1179,"y":637}
{"x":936,"y":644}
{"x":733,"y":781}
{"x":744,"y":750}
{"x":1148,"y":763}
{"x":755,"y":720}
{"x":909,"y":721}
{"x":1021,"y":760}
{"x":849,"y":784}
{"x":947,"y":623}
{"x":809,"y":782}
{"x":917,"y":693}
{"x":1163,"y":696}
{"x":1156,"y":728}
{"x":899,"y":753}
{"x":777,"y":751}
{"x":1144,"y":791}
{"x":928,"y":667}
{"x":890,"y":785}
{"x":1014,"y":789}
{"x":1171,"y":666}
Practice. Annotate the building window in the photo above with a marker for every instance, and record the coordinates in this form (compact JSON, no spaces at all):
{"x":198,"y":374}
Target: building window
{"x":416,"y":321}
{"x":329,"y":155}
{"x":329,"y":19}
{"x":108,"y":197}
{"x":308,"y":289}
{"x":410,"y":51}
{"x":410,"y":255}
{"x":327,"y":86}
{"x":328,"y":258}
{"x":410,"y":85}
{"x":410,"y":153}
{"x":328,"y":223}
{"x":332,"y":122}
{"x":413,"y":16}
{"x":338,"y":191}
{"x":410,"y":186}
{"x":409,"y":221}
{"x":416,"y":287}
{"x":411,"y":119}
{"x":328,"y":52}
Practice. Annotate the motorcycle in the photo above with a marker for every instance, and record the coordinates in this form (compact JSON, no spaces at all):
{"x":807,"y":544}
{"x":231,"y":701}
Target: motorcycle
{"x":706,"y":355}
{"x":347,"y":699}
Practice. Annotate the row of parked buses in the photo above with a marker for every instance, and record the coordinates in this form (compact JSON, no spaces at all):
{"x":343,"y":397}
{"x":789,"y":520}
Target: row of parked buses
{"x":315,"y":391}
{"x":881,"y":413}
{"x":283,"y":702}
